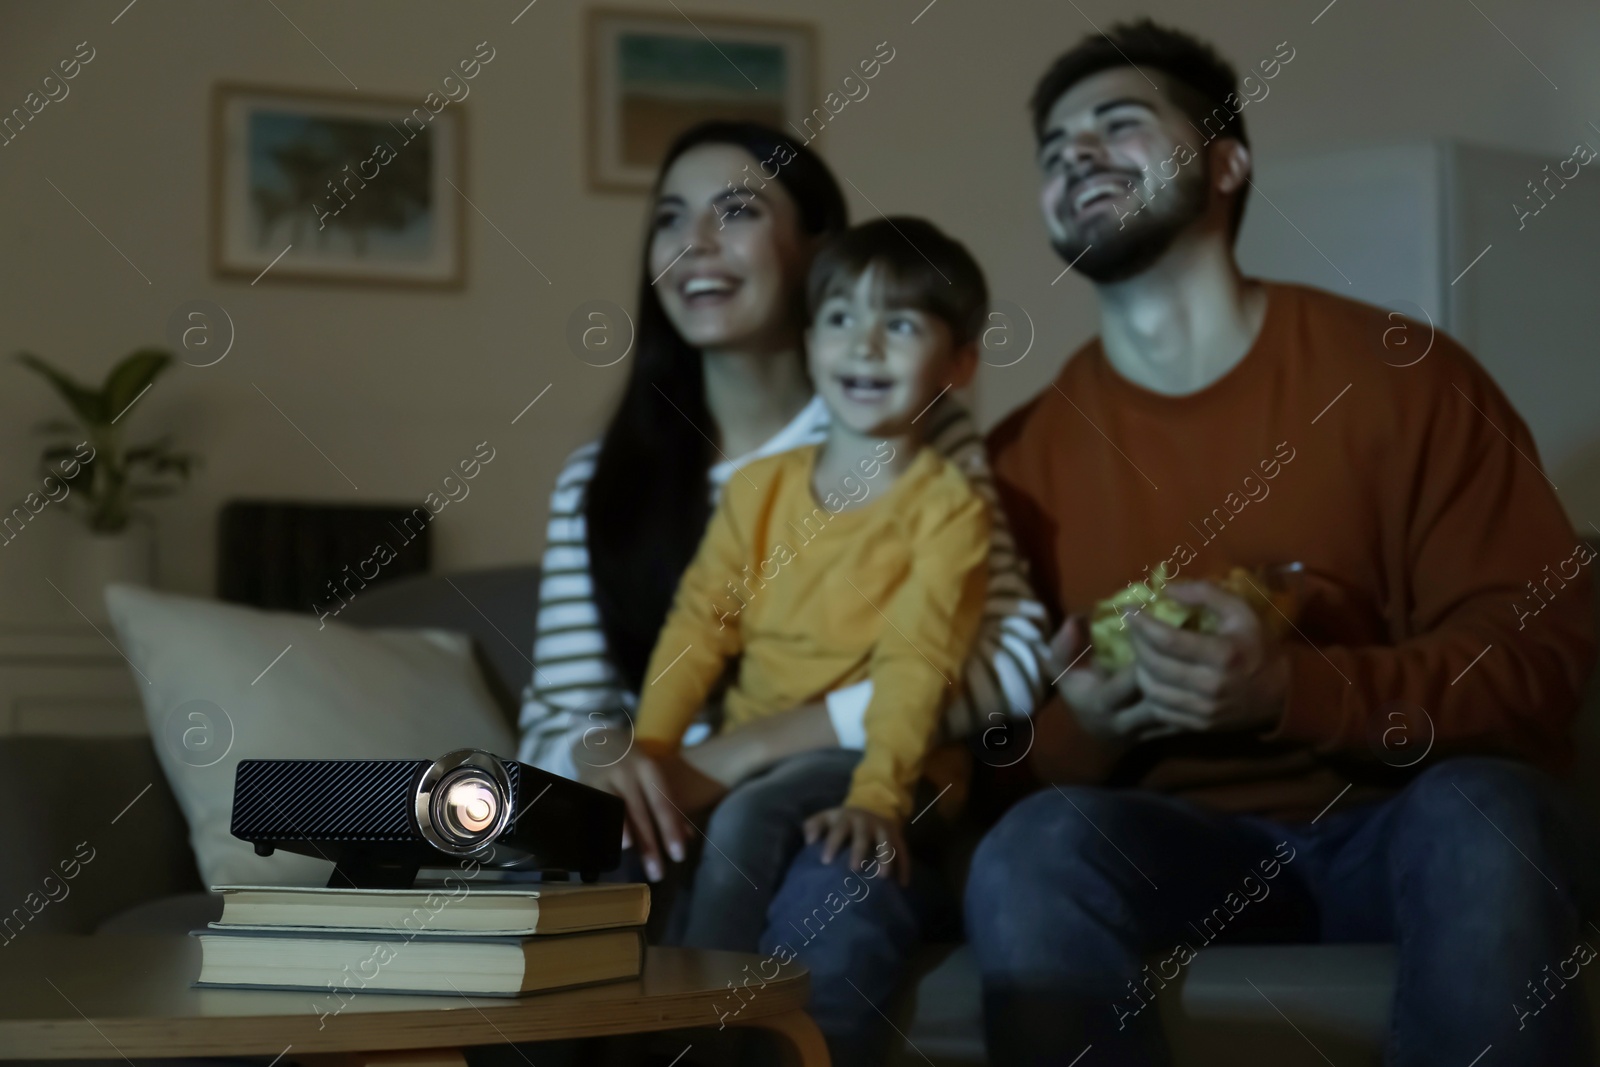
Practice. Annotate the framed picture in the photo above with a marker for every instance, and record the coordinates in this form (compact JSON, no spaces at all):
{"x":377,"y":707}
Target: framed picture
{"x":335,"y":187}
{"x":652,"y":76}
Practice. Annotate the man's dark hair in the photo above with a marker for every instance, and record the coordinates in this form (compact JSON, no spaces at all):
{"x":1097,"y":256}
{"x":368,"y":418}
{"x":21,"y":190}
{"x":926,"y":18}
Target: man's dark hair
{"x":918,"y":266}
{"x":1200,"y":80}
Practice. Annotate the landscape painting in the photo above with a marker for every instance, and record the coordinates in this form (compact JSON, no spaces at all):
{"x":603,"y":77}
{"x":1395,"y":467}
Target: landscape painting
{"x":330,"y":187}
{"x":653,"y":76}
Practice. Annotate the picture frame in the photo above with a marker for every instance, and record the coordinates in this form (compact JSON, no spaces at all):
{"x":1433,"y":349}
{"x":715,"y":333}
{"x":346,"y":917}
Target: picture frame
{"x":346,"y":188}
{"x":652,"y":75}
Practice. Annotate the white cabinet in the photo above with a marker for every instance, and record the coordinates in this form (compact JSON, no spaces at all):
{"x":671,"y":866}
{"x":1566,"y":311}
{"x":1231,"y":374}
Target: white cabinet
{"x":58,"y":674}
{"x":65,"y":680}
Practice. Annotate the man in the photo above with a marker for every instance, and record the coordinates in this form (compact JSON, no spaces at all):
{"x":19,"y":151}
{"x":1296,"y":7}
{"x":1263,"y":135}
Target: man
{"x":1360,"y":761}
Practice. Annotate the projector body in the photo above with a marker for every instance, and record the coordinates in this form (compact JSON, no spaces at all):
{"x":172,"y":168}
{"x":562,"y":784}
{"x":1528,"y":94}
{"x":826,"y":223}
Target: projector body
{"x":380,"y":820}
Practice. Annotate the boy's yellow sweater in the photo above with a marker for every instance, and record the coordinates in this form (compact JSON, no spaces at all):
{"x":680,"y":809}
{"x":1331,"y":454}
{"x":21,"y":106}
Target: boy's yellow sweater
{"x":812,"y":597}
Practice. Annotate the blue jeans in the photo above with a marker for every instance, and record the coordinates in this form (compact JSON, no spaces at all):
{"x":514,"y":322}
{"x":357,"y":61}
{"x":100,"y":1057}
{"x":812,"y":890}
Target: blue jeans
{"x":751,"y":839}
{"x":855,"y":935}
{"x":756,"y":887}
{"x":1475,"y":870}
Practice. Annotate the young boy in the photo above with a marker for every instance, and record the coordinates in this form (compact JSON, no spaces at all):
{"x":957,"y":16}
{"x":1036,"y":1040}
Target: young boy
{"x":861,"y":557}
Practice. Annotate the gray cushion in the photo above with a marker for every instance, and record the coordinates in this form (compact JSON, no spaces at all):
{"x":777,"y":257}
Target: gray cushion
{"x":64,"y":799}
{"x":1333,"y":991}
{"x":170,"y":916}
{"x":1344,"y":989}
{"x":496,"y":607}
{"x":947,"y":1016}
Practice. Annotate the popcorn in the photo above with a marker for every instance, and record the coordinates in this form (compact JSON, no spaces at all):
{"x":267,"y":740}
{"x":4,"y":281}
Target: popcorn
{"x":1108,"y":625}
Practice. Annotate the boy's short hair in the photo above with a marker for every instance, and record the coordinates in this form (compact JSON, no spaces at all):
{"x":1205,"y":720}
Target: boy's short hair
{"x":920,"y":268}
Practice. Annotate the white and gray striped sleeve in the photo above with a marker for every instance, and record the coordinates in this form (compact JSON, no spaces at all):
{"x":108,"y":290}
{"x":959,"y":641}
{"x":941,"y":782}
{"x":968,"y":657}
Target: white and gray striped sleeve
{"x":1006,"y":673}
{"x":574,"y":688}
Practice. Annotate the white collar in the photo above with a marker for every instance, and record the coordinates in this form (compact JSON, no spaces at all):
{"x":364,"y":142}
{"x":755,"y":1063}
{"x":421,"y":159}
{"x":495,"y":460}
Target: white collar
{"x":805,"y":428}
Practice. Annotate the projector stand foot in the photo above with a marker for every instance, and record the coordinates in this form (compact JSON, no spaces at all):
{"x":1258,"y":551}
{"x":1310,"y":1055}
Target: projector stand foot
{"x":372,"y":874}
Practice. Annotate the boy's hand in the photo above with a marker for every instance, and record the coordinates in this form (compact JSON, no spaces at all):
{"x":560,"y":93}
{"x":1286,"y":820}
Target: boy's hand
{"x":865,"y":831}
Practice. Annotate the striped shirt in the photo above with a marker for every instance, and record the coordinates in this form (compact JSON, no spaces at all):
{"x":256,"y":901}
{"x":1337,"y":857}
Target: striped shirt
{"x":576,"y":690}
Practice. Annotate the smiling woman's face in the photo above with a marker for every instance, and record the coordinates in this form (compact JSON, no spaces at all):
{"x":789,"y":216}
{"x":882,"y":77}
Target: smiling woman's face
{"x":728,"y":261}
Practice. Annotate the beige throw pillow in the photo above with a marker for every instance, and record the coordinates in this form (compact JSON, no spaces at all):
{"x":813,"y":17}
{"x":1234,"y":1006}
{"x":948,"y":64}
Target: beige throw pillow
{"x":221,"y":683}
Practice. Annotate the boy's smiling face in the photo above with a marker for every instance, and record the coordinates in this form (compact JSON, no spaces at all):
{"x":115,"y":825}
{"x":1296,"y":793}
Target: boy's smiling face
{"x":878,"y":367}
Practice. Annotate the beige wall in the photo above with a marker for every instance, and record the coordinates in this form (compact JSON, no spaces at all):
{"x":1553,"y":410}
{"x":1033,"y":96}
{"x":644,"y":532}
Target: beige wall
{"x":396,"y":386}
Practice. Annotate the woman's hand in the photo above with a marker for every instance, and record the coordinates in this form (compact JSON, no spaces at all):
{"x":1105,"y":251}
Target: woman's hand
{"x":865,"y":832}
{"x":653,"y":820}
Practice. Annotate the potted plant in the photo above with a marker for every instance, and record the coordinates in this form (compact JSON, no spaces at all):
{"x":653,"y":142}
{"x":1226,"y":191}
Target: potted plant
{"x":107,"y":478}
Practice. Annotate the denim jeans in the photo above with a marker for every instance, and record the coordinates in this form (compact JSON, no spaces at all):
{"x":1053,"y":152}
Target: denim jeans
{"x":751,"y":885}
{"x":751,"y":838}
{"x":756,"y":887}
{"x":1475,"y":870}
{"x":855,"y":935}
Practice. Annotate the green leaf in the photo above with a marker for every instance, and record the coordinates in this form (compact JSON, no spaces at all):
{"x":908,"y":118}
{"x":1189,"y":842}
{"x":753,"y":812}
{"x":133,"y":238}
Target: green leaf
{"x":149,"y":450}
{"x":85,"y":403}
{"x":130,"y":378}
{"x":158,"y":457}
{"x":176,"y":465}
{"x":55,"y":452}
{"x":56,"y":426}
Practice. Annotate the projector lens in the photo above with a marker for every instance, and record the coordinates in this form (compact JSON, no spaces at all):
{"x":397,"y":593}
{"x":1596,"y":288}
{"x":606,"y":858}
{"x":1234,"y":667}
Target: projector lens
{"x":463,"y":802}
{"x":470,"y":805}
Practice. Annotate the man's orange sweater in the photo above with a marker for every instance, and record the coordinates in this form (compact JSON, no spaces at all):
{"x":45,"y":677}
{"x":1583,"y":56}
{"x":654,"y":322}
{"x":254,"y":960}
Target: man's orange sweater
{"x":1442,"y":573}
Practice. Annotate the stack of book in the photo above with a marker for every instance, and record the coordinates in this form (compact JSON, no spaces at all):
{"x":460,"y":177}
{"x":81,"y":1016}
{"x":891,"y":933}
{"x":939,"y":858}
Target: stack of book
{"x":500,"y":940}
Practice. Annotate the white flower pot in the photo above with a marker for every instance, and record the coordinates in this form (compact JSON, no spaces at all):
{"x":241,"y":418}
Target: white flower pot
{"x":90,"y":561}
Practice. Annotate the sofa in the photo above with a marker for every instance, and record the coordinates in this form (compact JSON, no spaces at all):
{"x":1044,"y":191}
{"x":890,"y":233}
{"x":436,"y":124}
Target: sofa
{"x":1328,"y":1003}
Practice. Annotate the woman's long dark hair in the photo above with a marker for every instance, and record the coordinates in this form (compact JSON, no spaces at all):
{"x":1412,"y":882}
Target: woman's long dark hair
{"x":648,"y":503}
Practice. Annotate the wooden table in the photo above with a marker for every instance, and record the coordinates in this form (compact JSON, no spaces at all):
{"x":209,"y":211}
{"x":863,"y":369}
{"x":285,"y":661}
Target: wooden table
{"x":112,"y":997}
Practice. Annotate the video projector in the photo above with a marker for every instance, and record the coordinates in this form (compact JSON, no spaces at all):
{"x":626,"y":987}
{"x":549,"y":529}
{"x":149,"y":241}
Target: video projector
{"x":380,"y":820}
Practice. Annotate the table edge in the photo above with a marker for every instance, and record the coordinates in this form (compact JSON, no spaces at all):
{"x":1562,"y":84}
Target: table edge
{"x":83,"y":1038}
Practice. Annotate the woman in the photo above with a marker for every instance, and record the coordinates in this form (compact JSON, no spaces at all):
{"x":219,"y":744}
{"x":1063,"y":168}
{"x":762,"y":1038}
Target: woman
{"x":718,"y":380}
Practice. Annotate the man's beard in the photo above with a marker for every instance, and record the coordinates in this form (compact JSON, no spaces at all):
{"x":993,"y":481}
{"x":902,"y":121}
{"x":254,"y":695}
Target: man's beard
{"x":1113,"y":250}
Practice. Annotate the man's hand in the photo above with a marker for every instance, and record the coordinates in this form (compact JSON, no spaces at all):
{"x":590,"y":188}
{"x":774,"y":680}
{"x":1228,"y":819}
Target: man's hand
{"x":1233,"y":679}
{"x":863,"y":831}
{"x":653,"y":820}
{"x":1108,"y":706}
